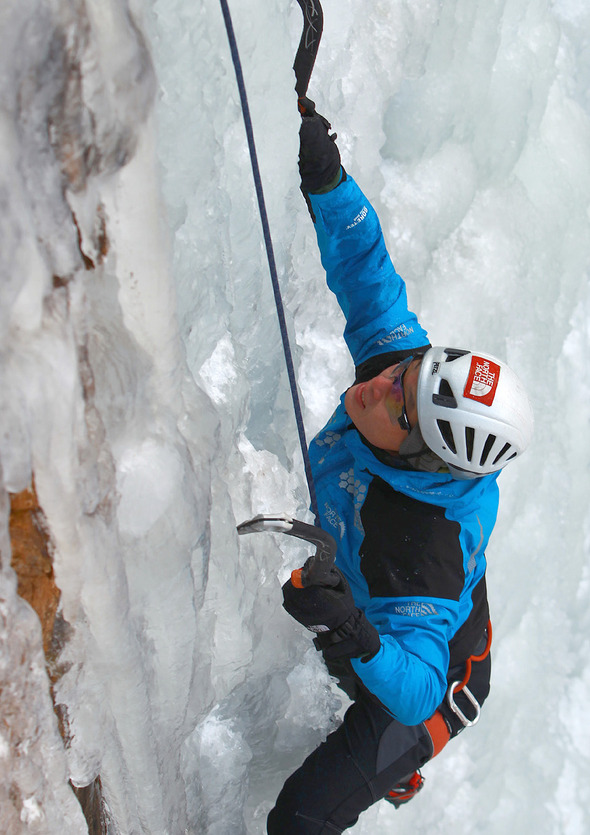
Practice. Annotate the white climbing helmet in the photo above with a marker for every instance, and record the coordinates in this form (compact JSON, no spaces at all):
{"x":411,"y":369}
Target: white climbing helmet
{"x":473,"y":411}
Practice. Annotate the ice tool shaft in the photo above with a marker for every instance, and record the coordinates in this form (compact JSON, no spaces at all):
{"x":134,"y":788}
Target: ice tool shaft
{"x":313,"y":24}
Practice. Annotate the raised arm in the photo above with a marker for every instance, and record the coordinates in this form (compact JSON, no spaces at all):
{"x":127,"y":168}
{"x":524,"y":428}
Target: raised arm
{"x":358,"y":267}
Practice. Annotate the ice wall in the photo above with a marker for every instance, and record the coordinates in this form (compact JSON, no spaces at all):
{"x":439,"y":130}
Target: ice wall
{"x":467,"y":125}
{"x":95,"y":394}
{"x":143,"y":386}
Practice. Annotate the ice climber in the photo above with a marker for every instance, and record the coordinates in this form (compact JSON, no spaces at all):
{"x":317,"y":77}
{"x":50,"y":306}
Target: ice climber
{"x":405,"y":473}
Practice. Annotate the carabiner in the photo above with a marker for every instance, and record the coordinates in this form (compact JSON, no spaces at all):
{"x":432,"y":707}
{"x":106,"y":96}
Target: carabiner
{"x":467,"y":723}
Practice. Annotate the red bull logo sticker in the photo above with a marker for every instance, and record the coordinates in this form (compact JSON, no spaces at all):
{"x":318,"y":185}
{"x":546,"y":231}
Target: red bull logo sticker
{"x":482,"y":380}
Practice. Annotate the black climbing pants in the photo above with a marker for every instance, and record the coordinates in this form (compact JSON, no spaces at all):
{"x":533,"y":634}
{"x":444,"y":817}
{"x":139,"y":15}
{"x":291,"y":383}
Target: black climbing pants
{"x":359,"y":763}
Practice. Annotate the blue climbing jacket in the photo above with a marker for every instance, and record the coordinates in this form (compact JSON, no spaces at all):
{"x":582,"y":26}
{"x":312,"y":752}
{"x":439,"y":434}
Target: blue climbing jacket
{"x":411,"y":544}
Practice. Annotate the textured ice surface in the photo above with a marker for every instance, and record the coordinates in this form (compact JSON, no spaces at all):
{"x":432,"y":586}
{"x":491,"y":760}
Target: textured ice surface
{"x":149,"y":397}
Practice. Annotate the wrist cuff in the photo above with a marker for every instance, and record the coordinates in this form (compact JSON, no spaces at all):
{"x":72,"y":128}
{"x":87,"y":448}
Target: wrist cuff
{"x":355,"y":637}
{"x":341,"y":175}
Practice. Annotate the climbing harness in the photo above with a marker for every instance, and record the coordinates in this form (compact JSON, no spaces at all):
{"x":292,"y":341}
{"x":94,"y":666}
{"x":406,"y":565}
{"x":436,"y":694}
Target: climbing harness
{"x":303,"y":66}
{"x":438,"y":729}
{"x":437,"y":726}
{"x":458,"y":686}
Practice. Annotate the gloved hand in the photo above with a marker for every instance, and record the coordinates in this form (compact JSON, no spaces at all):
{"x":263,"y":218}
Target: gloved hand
{"x":319,"y":158}
{"x":342,"y":628}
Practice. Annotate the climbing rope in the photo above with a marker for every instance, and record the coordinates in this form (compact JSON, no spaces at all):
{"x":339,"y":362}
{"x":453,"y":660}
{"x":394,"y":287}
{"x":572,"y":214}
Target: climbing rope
{"x":270,"y":255}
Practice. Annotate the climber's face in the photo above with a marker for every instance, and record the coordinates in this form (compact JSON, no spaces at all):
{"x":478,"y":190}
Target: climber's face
{"x":384,"y":408}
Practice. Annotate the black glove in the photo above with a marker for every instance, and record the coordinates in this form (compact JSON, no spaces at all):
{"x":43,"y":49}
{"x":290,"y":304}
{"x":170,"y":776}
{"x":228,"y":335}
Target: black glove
{"x":343,"y":630}
{"x":319,"y":158}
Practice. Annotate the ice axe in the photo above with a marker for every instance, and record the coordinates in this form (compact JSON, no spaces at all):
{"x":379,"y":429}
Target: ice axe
{"x":313,"y":24}
{"x":318,"y":569}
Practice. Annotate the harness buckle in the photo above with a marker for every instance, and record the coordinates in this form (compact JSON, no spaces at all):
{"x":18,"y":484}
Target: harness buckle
{"x":467,"y":723}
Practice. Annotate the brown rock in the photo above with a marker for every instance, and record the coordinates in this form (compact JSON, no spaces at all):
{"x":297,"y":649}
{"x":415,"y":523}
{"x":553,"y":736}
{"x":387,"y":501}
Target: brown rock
{"x":31,"y":559}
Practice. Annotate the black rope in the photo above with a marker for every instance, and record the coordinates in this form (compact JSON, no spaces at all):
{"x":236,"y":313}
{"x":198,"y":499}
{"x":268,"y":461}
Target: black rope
{"x":270,"y":255}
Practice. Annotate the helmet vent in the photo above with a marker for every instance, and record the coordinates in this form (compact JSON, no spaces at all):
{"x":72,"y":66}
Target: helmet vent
{"x":469,"y":437}
{"x":445,"y":396}
{"x":444,"y":427}
{"x":502,"y":452}
{"x":454,"y":354}
{"x":487,"y":447}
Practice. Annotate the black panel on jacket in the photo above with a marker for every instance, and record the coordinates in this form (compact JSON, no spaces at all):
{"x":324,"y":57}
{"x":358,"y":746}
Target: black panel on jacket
{"x":410,"y":548}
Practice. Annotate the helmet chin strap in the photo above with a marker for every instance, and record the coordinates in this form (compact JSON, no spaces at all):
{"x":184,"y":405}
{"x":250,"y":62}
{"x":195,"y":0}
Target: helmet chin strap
{"x":413,"y":454}
{"x":462,"y":475}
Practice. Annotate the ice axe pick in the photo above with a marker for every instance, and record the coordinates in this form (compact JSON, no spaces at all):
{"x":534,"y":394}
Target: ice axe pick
{"x":318,"y":569}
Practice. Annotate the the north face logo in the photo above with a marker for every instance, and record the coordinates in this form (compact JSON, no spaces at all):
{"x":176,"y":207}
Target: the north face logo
{"x":482,"y":380}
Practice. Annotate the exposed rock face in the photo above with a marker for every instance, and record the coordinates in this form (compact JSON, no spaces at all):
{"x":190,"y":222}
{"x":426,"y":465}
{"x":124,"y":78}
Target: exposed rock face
{"x":76,"y":86}
{"x":112,"y":545}
{"x":31,"y":560}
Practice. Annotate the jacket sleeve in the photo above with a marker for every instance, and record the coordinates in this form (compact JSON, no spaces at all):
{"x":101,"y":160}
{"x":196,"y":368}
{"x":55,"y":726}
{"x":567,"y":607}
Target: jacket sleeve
{"x":408,"y":674}
{"x":360,"y":272}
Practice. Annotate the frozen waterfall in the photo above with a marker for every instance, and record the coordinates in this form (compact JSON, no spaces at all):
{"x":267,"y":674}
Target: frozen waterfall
{"x":146,"y":405}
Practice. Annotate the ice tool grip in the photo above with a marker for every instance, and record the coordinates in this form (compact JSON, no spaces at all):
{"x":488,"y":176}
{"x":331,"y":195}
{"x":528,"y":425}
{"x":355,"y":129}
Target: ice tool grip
{"x":318,"y":570}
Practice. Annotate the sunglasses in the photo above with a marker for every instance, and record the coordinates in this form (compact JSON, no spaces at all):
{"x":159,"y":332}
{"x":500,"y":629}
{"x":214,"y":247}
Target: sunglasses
{"x":395,"y":401}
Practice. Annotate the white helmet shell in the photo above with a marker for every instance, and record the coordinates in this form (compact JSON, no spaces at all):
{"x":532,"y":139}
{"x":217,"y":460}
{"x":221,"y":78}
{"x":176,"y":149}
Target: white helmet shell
{"x":473,"y":411}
